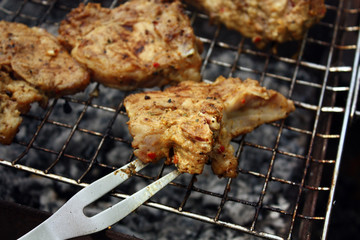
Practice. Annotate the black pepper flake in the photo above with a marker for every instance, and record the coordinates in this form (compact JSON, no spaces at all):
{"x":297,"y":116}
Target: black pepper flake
{"x":139,"y":50}
{"x":128,"y":27}
{"x":8,"y":93}
{"x":147,"y":97}
{"x":169,"y":101}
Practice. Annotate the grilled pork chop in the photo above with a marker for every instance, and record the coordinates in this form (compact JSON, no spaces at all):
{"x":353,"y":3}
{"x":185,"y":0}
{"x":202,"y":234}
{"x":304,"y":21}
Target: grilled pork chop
{"x":141,"y":43}
{"x":193,"y":123}
{"x":33,"y":67}
{"x":265,"y":20}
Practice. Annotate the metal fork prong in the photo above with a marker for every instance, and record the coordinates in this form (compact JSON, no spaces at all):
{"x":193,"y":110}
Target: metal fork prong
{"x":107,"y":183}
{"x":70,"y":218}
{"x":120,"y":210}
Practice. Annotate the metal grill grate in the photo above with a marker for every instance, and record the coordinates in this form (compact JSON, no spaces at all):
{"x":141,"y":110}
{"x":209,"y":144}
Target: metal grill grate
{"x":288,"y":169}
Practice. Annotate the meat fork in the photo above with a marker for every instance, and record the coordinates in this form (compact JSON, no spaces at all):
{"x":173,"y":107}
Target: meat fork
{"x":70,"y":221}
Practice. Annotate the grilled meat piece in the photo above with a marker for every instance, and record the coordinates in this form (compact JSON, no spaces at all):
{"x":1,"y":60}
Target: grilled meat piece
{"x":15,"y":98}
{"x":33,"y":67}
{"x":140,"y":43}
{"x":194,"y":122}
{"x":36,"y":56}
{"x":10,"y":119}
{"x":265,"y":20}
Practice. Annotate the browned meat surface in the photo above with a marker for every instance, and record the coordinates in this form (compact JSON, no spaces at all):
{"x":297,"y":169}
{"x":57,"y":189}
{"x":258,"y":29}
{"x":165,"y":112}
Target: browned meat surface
{"x":33,"y":67}
{"x":10,"y":119}
{"x":80,"y":21}
{"x":265,"y":20}
{"x":193,"y":123}
{"x":140,"y":43}
{"x":15,"y":98}
{"x":36,"y":56}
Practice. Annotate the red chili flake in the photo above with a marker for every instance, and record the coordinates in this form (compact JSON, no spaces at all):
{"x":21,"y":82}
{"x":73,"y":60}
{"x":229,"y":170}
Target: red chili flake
{"x":156,"y":64}
{"x":151,"y":155}
{"x":222,"y":9}
{"x":243,"y":101}
{"x":176,"y":159}
{"x":256,"y":39}
{"x":221,"y":149}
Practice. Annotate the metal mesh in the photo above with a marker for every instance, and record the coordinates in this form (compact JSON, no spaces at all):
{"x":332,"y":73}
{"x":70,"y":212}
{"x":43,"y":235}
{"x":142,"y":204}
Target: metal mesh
{"x":287,"y":170}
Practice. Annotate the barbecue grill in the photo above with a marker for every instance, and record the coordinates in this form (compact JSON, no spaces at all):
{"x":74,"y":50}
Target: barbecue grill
{"x":287,"y":169}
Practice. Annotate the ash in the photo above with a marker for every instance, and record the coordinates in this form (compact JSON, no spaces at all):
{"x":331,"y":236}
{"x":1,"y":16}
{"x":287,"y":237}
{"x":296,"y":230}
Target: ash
{"x":147,"y":222}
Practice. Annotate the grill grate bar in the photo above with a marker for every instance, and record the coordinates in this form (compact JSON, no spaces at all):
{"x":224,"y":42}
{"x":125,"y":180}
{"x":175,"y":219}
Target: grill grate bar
{"x":223,"y":199}
{"x":189,"y":189}
{"x":69,"y":137}
{"x":317,"y":119}
{"x":236,"y":59}
{"x":50,"y":5}
{"x":104,"y":137}
{"x":285,"y":59}
{"x":271,"y":164}
{"x":212,"y":221}
{"x":351,"y":101}
{"x":17,"y":12}
{"x":35,"y":134}
{"x":211,"y":48}
{"x":101,"y":142}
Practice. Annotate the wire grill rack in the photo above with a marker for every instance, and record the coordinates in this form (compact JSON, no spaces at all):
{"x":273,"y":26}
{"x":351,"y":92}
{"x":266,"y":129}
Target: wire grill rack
{"x":320,"y":74}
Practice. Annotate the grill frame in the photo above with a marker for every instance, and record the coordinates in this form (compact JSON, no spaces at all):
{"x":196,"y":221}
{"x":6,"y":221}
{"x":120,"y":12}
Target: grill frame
{"x":317,"y":137}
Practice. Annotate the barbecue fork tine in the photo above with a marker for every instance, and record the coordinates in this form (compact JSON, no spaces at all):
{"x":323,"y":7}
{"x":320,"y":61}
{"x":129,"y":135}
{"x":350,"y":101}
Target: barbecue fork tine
{"x":70,"y":221}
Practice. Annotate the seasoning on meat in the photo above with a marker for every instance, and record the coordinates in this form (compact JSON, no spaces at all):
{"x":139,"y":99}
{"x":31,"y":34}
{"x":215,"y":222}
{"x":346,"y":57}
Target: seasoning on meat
{"x":10,"y":119}
{"x":15,"y":98}
{"x":36,"y":56}
{"x":265,"y":20}
{"x":33,"y":67}
{"x":199,"y":122}
{"x":141,"y":43}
